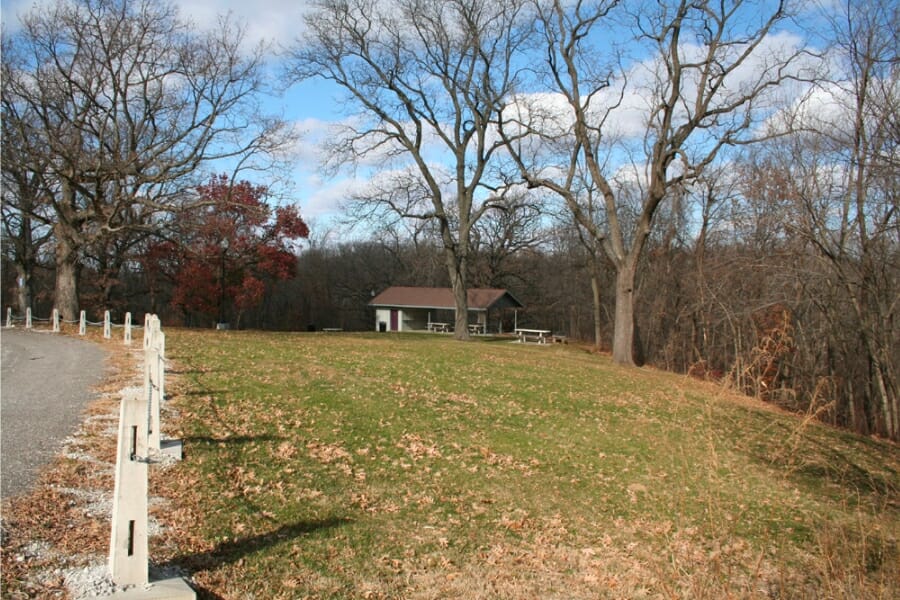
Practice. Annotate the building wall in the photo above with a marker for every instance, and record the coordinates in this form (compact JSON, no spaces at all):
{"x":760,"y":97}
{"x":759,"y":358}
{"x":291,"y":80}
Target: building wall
{"x":382,"y":315}
{"x":417,"y":319}
{"x":407,"y":319}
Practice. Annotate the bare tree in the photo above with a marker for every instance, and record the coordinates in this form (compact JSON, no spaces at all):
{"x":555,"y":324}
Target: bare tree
{"x":701,"y":87}
{"x":121,"y":103}
{"x":424,"y":79}
{"x":23,"y":209}
{"x":590,"y":206}
{"x":502,"y":234}
{"x":840,"y":182}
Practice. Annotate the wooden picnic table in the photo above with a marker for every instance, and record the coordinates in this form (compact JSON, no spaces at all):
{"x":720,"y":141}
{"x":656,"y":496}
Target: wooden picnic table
{"x":476,"y":328}
{"x":439,"y":327}
{"x":541,"y":336}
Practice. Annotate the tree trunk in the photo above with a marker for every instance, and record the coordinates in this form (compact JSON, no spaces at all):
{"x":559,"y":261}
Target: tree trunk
{"x":623,"y":334}
{"x":460,"y":296}
{"x":595,"y":290}
{"x":881,"y":392}
{"x":25,"y":261}
{"x":66,"y":296}
{"x":455,"y":255}
{"x":24,"y":291}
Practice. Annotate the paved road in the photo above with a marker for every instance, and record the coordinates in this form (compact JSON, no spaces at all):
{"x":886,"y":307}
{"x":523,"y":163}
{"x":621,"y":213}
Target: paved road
{"x":45,"y":383}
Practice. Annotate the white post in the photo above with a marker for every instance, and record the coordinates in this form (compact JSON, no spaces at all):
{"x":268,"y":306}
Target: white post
{"x":107,"y":326}
{"x":151,"y":387}
{"x":55,"y":320}
{"x":128,"y":329}
{"x":128,"y":548}
{"x":9,"y":317}
{"x":82,"y":323}
{"x":154,"y":376}
{"x":161,"y":367}
{"x":28,"y":318}
{"x":148,"y":319}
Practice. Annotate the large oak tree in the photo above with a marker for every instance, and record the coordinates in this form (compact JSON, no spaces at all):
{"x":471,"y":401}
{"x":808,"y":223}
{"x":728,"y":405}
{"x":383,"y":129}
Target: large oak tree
{"x":698,"y":83}
{"x":119,"y":104}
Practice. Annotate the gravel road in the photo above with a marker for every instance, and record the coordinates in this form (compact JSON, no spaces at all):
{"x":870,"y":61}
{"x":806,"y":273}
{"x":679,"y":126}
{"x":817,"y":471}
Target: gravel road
{"x":45,"y":383}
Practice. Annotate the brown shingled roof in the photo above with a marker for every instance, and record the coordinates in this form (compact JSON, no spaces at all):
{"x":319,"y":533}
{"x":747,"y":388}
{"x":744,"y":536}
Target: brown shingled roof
{"x":441,"y":298}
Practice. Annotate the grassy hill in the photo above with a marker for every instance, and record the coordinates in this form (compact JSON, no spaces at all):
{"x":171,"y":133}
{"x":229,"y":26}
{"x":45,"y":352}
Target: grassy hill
{"x":376,"y":466}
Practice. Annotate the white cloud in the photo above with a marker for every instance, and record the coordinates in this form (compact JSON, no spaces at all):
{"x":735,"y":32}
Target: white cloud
{"x":311,"y":134}
{"x":318,"y":120}
{"x":278,"y":21}
{"x":324,"y":198}
{"x":625,"y":108}
{"x":830,"y":107}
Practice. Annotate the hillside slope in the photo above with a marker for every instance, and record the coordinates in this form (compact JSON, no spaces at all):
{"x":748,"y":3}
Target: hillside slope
{"x":414,"y":466}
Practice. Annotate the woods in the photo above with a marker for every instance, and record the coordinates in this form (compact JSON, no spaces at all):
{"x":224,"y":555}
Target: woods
{"x":707,"y":188}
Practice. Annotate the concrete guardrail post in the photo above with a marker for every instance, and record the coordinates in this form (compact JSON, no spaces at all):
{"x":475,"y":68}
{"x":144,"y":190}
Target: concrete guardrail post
{"x":107,"y":325}
{"x":28,"y":318}
{"x":128,"y":548}
{"x":161,"y":367}
{"x":147,"y":320}
{"x":55,"y":319}
{"x":151,"y":382}
{"x":152,"y":408}
{"x":128,"y":329}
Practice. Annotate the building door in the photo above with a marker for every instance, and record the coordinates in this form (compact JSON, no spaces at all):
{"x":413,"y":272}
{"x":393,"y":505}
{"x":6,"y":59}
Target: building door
{"x":395,"y":320}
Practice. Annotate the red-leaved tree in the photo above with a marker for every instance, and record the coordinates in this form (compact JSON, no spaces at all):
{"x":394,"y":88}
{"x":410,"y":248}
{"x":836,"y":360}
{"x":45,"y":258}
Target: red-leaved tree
{"x":224,"y":250}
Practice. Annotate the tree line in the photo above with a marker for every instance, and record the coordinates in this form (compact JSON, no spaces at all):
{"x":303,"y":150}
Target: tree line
{"x":705,"y":187}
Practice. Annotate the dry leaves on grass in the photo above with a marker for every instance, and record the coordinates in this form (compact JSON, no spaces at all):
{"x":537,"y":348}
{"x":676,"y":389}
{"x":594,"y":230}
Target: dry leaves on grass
{"x":64,"y":521}
{"x":327,"y":453}
{"x":417,"y":447}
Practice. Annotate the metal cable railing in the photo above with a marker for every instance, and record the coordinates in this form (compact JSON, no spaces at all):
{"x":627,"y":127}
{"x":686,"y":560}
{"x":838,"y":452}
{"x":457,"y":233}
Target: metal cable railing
{"x":83,"y":323}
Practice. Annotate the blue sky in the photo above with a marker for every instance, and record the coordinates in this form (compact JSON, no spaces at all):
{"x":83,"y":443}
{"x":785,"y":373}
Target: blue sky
{"x":310,"y":106}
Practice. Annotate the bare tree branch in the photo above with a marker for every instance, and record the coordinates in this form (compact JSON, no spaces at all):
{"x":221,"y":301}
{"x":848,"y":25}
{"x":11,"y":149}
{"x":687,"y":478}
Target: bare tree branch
{"x":426,"y":78}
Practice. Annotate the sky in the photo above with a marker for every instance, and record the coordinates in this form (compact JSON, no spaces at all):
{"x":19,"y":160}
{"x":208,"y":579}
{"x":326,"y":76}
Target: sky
{"x":311,"y":106}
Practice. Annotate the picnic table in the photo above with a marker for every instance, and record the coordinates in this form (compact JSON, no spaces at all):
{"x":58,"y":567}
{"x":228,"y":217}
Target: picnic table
{"x":541,"y":336}
{"x":476,"y":328}
{"x":439,"y":327}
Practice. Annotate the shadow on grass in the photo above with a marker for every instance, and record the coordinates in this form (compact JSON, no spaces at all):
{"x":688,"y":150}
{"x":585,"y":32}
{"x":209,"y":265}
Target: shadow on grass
{"x":232,"y":551}
{"x":192,"y":370}
{"x":205,"y":392}
{"x":840,"y":468}
{"x":815,"y":459}
{"x":235,"y":440}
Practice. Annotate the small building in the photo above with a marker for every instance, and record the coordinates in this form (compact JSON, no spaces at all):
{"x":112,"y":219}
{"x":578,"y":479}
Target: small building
{"x":434,"y":309}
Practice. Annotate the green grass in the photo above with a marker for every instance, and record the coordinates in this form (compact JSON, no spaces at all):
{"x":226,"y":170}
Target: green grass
{"x":415,"y":466}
